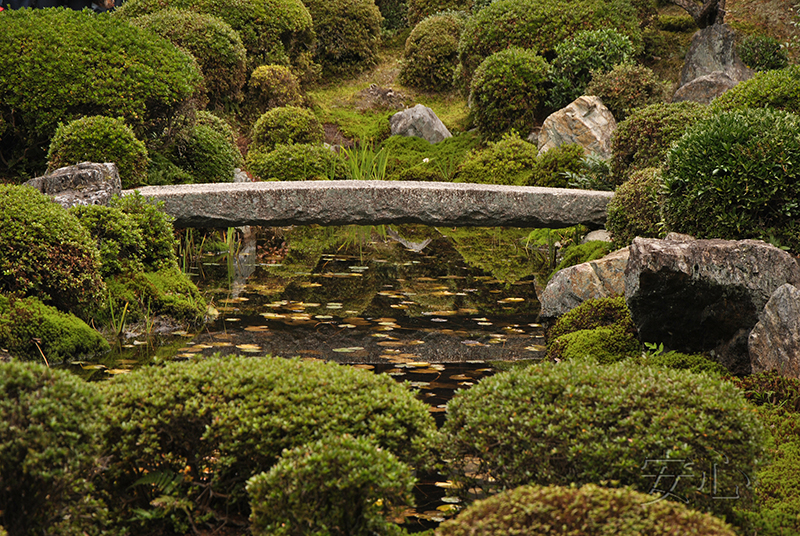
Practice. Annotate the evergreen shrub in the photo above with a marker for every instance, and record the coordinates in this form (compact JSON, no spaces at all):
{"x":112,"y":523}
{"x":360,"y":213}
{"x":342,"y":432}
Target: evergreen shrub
{"x":578,"y":58}
{"x":155,"y":227}
{"x":337,"y":485}
{"x":626,"y":87}
{"x":271,"y":86}
{"x":634,"y":210}
{"x":695,"y":363}
{"x":167,"y":292}
{"x":510,"y":160}
{"x":762,"y":53}
{"x":206,"y":154}
{"x":286,"y":125}
{"x":778,"y":89}
{"x":221,"y":126}
{"x":589,"y":510}
{"x":734,"y":176}
{"x":770,"y":387}
{"x":413,"y":158}
{"x":430,"y":57}
{"x":208,"y":426}
{"x":100,"y":139}
{"x":117,"y":237}
{"x":419,"y":10}
{"x":507,"y":91}
{"x":296,"y":162}
{"x":579,"y":422}
{"x":554,"y":166}
{"x":592,"y":314}
{"x":394,"y":13}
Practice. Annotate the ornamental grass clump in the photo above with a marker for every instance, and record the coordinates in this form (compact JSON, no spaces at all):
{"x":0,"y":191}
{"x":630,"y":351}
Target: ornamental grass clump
{"x":579,"y":422}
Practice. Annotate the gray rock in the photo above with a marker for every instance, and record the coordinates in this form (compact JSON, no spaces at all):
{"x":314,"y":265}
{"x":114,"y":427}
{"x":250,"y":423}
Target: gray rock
{"x":570,"y":287}
{"x":714,"y":49}
{"x":86,"y":183}
{"x":598,"y":235}
{"x":585,"y":122}
{"x":706,"y":88}
{"x":421,"y":122}
{"x":774,"y":343}
{"x":704,"y":295}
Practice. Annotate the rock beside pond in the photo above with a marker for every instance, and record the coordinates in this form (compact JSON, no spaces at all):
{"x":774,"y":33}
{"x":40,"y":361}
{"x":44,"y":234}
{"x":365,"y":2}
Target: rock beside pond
{"x":86,"y":183}
{"x":585,"y":122}
{"x":421,"y":122}
{"x":774,"y":343}
{"x":704,"y":295}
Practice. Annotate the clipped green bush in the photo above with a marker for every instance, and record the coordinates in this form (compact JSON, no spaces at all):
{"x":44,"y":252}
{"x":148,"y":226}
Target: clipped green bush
{"x":100,"y":139}
{"x":208,"y":426}
{"x":161,"y":171}
{"x":508,"y":92}
{"x":430,"y":57}
{"x":554,"y":166}
{"x":578,"y":58}
{"x":59,"y":65}
{"x":580,"y":422}
{"x":644,"y":138}
{"x":348,"y":34}
{"x":117,"y":236}
{"x":508,"y":161}
{"x":394,"y":13}
{"x":779,"y":89}
{"x":634,"y":210}
{"x":604,"y":345}
{"x":155,"y":227}
{"x":216,"y":46}
{"x":538,"y":25}
{"x":221,"y":126}
{"x":206,"y":154}
{"x":592,"y":314}
{"x":286,"y":125}
{"x":296,"y":162}
{"x":271,"y":86}
{"x":626,"y":87}
{"x":695,"y":363}
{"x":762,"y":53}
{"x":337,"y":485}
{"x":419,"y":10}
{"x":588,"y":510}
{"x":46,"y":252}
{"x":734,"y":176}
{"x":48,"y":451}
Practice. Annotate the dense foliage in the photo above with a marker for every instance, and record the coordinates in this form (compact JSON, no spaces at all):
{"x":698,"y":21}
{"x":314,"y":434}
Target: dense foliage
{"x":206,"y":154}
{"x":156,"y":229}
{"x":296,"y":162}
{"x":286,"y":124}
{"x":634,"y":210}
{"x":271,"y":86}
{"x":592,"y":314}
{"x":762,"y":53}
{"x":412,"y":158}
{"x":419,"y":10}
{"x":626,"y":87}
{"x":778,"y":89}
{"x":508,"y":161}
{"x":431,"y":52}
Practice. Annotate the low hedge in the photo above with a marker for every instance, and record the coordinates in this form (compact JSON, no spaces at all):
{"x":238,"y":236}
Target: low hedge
{"x":296,"y":162}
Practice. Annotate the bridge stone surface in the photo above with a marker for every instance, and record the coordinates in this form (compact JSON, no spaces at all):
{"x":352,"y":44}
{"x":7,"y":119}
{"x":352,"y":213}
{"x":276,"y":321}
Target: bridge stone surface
{"x":377,"y":202}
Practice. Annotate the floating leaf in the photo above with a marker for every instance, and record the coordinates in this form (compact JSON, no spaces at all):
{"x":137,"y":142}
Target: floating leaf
{"x":232,"y":319}
{"x":349,"y":326}
{"x":391,"y":343}
{"x":348,"y":350}
{"x":246,"y":347}
{"x":364,"y":366}
{"x":511,"y":300}
{"x":310,"y":285}
{"x":536,"y":348}
{"x":257,"y":328}
{"x":117,"y":371}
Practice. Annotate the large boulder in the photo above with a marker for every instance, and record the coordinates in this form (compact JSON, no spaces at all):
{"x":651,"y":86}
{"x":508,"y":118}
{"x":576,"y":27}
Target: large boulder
{"x":704,"y":295}
{"x":585,"y":122}
{"x":421,"y":122}
{"x":570,"y":287}
{"x":775,"y":340}
{"x":714,"y":49}
{"x":706,"y":88}
{"x":86,"y":183}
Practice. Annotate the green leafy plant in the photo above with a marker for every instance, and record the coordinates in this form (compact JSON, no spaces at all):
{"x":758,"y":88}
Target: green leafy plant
{"x":273,"y":86}
{"x":508,"y":161}
{"x":695,"y":363}
{"x":413,"y":158}
{"x":430,"y":57}
{"x":394,"y":13}
{"x":605,"y":345}
{"x":779,"y":89}
{"x":762,"y":53}
{"x":634,"y":210}
{"x":365,"y":164}
{"x":626,"y":87}
{"x":594,"y":174}
{"x":592,"y":314}
{"x":206,"y":154}
{"x":297,"y":162}
{"x":286,"y":125}
{"x":117,"y":236}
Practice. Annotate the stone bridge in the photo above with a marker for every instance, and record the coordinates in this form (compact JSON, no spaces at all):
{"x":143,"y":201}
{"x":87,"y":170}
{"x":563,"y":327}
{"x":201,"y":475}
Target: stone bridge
{"x":378,"y":202}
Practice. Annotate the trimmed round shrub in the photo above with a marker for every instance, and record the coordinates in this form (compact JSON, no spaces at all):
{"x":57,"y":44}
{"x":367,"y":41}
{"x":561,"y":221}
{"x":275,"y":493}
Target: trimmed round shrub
{"x":554,"y":165}
{"x":538,"y":25}
{"x":580,"y":422}
{"x":59,"y":65}
{"x":592,"y":314}
{"x":222,"y":127}
{"x":736,"y":176}
{"x":419,"y":10}
{"x":156,"y":229}
{"x":117,"y":236}
{"x":431,"y":53}
{"x":508,"y":91}
{"x":634,"y":210}
{"x":48,"y":451}
{"x":644,"y":138}
{"x":271,"y":86}
{"x":626,"y":87}
{"x":206,"y":154}
{"x":216,"y":46}
{"x":508,"y":161}
{"x":100,"y":139}
{"x":589,"y":511}
{"x":286,"y":125}
{"x":762,"y":53}
{"x":46,"y":252}
{"x":213,"y":424}
{"x":348,"y":34}
{"x":296,"y":162}
{"x":778,"y":89}
{"x":578,"y":58}
{"x":338,"y":485}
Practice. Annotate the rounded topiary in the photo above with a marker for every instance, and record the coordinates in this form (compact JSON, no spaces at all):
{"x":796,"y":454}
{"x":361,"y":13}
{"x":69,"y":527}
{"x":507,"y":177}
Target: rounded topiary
{"x":286,"y":124}
{"x":579,"y":422}
{"x":419,"y":10}
{"x":348,"y":34}
{"x":204,"y":117}
{"x":778,"y":89}
{"x":589,"y":510}
{"x":100,"y":139}
{"x":762,"y":53}
{"x":431,"y":53}
{"x":735,"y":176}
{"x":206,"y":154}
{"x":644,"y":138}
{"x":592,"y":314}
{"x":508,"y":91}
{"x":59,"y":65}
{"x":578,"y":58}
{"x":46,"y":252}
{"x":508,"y":161}
{"x":271,"y":86}
{"x":296,"y":162}
{"x":216,"y":46}
{"x":604,"y":345}
{"x":626,"y":87}
{"x":117,"y":236}
{"x":538,"y":25}
{"x":635,"y":210}
{"x":553,"y":166}
{"x":352,"y":484}
{"x":49,"y":450}
{"x":155,"y":227}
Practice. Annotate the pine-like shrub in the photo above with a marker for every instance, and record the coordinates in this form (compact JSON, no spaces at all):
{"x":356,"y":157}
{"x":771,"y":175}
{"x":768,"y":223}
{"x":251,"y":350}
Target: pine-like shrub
{"x":216,"y":46}
{"x":634,"y":210}
{"x":46,"y":252}
{"x":155,"y":227}
{"x":271,"y":86}
{"x":100,"y":139}
{"x":338,"y":485}
{"x":296,"y":162}
{"x":778,"y":89}
{"x":508,"y":161}
{"x":589,"y":510}
{"x":735,"y":176}
{"x":579,"y":422}
{"x":206,"y":154}
{"x":554,"y":166}
{"x":285,"y":125}
{"x":430,"y":57}
{"x":762,"y":53}
{"x":508,"y":91}
{"x":577,"y":59}
{"x":626,"y":87}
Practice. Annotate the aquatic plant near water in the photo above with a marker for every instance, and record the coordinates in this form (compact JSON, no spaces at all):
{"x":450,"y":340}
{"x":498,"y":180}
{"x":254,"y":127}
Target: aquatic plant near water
{"x":365,"y":164}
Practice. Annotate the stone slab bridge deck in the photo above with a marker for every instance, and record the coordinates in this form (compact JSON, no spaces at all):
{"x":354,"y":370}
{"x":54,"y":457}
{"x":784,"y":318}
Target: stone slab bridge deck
{"x":378,"y":202}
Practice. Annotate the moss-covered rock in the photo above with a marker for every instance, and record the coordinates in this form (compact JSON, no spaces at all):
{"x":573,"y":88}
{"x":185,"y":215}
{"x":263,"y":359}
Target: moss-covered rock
{"x":580,"y":253}
{"x":606,"y":345}
{"x":592,"y":314}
